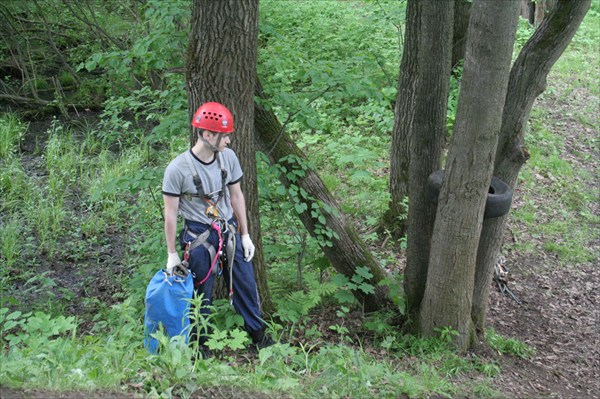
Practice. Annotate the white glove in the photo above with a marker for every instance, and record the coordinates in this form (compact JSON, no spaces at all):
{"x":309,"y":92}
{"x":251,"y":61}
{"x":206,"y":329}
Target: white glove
{"x":248,"y":247}
{"x":172,"y":261}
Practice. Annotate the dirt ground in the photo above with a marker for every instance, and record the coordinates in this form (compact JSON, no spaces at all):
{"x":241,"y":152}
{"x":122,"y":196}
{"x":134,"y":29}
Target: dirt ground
{"x":559,"y":318}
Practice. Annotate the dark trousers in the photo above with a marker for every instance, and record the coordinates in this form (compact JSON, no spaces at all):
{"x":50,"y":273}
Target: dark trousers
{"x":245,"y":292}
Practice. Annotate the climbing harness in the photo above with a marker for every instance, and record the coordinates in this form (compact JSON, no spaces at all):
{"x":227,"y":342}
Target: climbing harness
{"x":208,"y":197}
{"x":217,"y":228}
{"x":501,"y":279}
{"x":218,"y":224}
{"x":216,"y":254}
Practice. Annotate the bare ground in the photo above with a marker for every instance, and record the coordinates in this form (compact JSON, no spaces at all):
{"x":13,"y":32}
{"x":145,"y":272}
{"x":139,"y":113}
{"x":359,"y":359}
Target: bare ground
{"x":559,"y":319}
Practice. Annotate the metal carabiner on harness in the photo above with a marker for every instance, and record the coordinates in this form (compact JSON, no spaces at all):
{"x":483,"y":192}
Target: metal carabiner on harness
{"x":181,"y":271}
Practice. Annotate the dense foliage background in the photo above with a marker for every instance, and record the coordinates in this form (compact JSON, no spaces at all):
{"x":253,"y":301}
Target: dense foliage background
{"x":93,"y":107}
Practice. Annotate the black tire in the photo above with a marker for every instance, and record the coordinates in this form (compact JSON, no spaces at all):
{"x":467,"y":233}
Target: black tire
{"x":499,"y":197}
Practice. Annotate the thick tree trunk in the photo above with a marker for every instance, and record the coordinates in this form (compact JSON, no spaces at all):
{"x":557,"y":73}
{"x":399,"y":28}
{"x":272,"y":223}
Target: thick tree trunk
{"x":449,"y":289}
{"x":394,"y":219}
{"x":426,"y":132}
{"x":347,"y":251}
{"x":527,"y":82}
{"x":462,"y":11}
{"x":221,"y":67}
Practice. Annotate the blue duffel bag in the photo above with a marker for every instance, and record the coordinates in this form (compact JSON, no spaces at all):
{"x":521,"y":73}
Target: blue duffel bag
{"x":167,"y":305}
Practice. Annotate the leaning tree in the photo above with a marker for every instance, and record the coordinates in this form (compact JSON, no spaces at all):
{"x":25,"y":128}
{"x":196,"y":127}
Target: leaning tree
{"x":527,"y":81}
{"x":320,"y":212}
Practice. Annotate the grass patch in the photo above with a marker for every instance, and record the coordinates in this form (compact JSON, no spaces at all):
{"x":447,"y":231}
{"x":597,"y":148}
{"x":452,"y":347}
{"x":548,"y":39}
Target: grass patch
{"x":12,"y":131}
{"x":560,"y":221}
{"x":508,"y":346}
{"x":48,"y":352}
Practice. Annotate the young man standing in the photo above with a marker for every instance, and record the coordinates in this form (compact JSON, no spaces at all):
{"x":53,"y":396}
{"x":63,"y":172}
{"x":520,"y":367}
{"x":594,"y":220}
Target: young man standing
{"x":203,"y":186}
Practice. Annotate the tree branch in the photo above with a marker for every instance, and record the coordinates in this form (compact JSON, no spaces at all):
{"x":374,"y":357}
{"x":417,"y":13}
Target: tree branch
{"x":95,"y":27}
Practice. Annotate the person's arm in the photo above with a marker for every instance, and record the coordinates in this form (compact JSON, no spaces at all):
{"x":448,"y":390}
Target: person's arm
{"x":238,"y":203}
{"x":171,"y":208}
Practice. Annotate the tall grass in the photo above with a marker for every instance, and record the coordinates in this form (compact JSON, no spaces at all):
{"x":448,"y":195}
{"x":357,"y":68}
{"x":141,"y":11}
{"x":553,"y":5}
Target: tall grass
{"x":12,"y":131}
{"x":48,"y":352}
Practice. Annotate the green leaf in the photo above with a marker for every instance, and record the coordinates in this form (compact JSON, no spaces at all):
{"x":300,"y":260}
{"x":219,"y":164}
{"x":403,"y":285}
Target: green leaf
{"x":364,"y":272}
{"x":340,"y":280}
{"x":238,"y":339}
{"x":14,"y":315}
{"x":9,"y":324}
{"x":366,"y":288}
{"x":301,"y":207}
{"x":281,"y":190}
{"x":344,"y":297}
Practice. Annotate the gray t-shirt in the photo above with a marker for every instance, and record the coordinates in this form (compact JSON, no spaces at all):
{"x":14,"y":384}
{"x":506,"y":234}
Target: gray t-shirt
{"x":178,"y":182}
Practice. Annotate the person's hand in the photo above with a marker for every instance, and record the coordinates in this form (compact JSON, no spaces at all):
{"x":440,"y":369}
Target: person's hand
{"x":172,"y":261}
{"x":248,"y":247}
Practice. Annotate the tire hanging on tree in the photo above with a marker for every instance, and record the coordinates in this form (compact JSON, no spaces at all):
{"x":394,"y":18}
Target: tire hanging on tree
{"x":499,"y":197}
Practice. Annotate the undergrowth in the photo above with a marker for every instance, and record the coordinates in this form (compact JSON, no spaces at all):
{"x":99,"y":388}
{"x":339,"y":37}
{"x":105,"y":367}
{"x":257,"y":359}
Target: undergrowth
{"x":88,"y":187}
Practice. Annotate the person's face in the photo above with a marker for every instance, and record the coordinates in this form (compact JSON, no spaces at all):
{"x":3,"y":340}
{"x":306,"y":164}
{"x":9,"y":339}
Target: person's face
{"x":219,"y":140}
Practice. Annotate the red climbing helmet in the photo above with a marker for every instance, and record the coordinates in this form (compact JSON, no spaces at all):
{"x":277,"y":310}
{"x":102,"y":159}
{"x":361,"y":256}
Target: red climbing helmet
{"x":214,"y":117}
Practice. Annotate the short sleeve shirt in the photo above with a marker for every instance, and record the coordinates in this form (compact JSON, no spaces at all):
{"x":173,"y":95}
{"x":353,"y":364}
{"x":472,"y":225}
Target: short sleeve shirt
{"x":178,"y":181}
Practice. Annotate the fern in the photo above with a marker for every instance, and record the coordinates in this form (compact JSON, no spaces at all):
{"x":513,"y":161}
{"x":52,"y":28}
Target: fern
{"x":292,"y":307}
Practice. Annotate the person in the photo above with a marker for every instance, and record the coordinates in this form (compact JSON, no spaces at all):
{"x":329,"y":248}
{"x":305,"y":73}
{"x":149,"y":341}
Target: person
{"x":203,"y":186}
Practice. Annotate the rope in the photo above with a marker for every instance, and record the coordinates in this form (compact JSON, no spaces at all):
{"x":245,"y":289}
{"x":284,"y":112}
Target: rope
{"x":218,"y":255}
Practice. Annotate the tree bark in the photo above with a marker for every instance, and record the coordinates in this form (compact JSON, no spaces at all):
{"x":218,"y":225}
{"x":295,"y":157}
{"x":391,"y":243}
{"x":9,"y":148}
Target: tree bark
{"x":426,"y":132}
{"x":347,"y":251}
{"x":542,"y":8}
{"x":221,"y":67}
{"x":449,"y":289}
{"x":395,"y":216}
{"x":462,"y":11}
{"x":528,"y":10}
{"x":527,"y":82}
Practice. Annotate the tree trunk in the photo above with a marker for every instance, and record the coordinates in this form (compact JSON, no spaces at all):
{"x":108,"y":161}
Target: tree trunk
{"x":221,"y":67}
{"x":542,"y":8}
{"x":462,"y":11}
{"x":426,"y":131}
{"x":449,"y":289}
{"x":346,"y":251}
{"x":527,"y":82}
{"x":539,"y":12}
{"x":528,"y":10}
{"x":394,"y":219}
